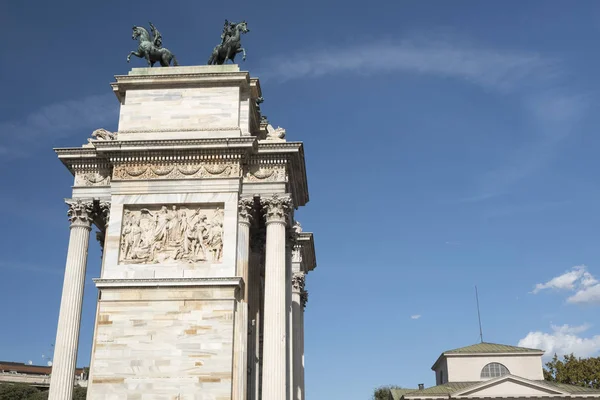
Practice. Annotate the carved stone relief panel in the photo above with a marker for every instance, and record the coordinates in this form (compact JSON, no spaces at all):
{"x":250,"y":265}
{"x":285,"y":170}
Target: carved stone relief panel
{"x":171,"y":233}
{"x":177,"y":171}
{"x":265,"y":173}
{"x":93,"y":178}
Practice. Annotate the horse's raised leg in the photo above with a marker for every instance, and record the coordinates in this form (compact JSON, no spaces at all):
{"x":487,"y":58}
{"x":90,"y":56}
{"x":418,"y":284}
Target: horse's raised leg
{"x":242,"y":50}
{"x":133,"y":53}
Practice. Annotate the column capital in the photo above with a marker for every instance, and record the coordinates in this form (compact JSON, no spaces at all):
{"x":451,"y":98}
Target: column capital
{"x":246,"y":210}
{"x":276,"y":208}
{"x":303,"y":298}
{"x":103,"y":212}
{"x":298,"y":281}
{"x":81,"y":212}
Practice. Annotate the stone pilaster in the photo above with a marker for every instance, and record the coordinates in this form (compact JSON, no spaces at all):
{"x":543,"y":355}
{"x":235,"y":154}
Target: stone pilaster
{"x":67,"y":336}
{"x":298,"y":336}
{"x":245,"y":211}
{"x":275,"y":379}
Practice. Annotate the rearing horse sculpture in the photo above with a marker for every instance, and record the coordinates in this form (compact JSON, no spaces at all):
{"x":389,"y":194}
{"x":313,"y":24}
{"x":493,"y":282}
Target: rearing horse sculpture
{"x":150,"y":49}
{"x":230,"y":47}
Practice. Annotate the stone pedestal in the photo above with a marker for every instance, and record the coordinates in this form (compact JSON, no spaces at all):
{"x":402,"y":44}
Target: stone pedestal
{"x":180,"y":305}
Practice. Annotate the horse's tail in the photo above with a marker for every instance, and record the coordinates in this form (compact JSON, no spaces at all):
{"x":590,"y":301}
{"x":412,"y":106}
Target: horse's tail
{"x":175,"y":63}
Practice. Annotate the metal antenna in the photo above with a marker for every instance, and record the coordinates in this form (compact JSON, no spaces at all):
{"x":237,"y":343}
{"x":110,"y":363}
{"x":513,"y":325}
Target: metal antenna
{"x":478,"y":315}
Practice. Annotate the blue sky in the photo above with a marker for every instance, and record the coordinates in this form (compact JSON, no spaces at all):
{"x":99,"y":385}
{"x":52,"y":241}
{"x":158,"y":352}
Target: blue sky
{"x":448,"y":145}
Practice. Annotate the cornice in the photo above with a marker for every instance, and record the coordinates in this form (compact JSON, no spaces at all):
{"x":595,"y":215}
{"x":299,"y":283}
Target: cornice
{"x":167,"y":282}
{"x":307,"y":247}
{"x":200,"y":79}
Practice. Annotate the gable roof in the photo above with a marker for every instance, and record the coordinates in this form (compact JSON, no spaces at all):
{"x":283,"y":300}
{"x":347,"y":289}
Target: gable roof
{"x":490,"y":348}
{"x":466,"y":389}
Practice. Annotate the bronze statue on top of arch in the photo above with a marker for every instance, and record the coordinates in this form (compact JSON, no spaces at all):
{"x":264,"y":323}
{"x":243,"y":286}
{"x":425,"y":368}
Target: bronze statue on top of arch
{"x":230,"y":44}
{"x":150,"y":45}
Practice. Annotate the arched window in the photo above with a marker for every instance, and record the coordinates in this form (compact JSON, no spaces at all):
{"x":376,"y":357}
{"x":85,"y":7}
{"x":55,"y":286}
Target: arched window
{"x":494,"y":370}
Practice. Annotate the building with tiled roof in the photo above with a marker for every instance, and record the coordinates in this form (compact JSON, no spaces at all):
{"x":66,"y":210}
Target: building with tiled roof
{"x":493,"y":371}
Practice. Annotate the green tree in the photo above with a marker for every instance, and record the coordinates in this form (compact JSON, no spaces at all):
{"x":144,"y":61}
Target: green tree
{"x":16,"y":391}
{"x":574,"y":371}
{"x":79,"y":393}
{"x":384,"y":392}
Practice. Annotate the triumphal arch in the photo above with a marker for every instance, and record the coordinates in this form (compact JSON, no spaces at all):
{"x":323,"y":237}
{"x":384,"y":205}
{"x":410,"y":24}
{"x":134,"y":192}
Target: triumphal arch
{"x":201,"y":292}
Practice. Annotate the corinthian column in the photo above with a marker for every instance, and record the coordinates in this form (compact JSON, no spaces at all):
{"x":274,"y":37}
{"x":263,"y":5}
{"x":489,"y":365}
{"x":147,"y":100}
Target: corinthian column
{"x":298,"y":336}
{"x":67,"y":336}
{"x":245,"y":207}
{"x":275,"y":357}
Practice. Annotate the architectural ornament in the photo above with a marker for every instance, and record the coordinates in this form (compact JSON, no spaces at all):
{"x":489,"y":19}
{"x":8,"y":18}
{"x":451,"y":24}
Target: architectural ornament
{"x":246,"y":210}
{"x":265,"y":173}
{"x":81,"y":212}
{"x":298,"y":281}
{"x":303,"y":298}
{"x":175,"y":234}
{"x":275,"y":134}
{"x":276,"y":208}
{"x":103,"y":214}
{"x":184,"y":171}
{"x":92,"y":178}
{"x":102,"y":134}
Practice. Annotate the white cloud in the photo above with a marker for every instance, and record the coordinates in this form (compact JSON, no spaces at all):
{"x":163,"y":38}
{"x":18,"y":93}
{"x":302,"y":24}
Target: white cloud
{"x":578,"y":280}
{"x":416,"y":316}
{"x":60,"y":119}
{"x":565,"y":281}
{"x":533,"y":79}
{"x":494,"y":69}
{"x":563,"y":340}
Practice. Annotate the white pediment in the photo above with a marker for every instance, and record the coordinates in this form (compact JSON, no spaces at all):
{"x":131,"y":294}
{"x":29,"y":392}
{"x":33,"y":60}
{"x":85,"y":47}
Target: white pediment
{"x":508,"y":386}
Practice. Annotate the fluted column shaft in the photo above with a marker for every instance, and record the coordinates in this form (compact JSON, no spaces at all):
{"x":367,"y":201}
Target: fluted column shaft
{"x":254,"y":301}
{"x":67,"y":335}
{"x":298,"y":336}
{"x":275,"y":357}
{"x":245,"y":207}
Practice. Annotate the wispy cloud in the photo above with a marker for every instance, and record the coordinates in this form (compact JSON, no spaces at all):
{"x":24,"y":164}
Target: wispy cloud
{"x":578,"y":280}
{"x":44,"y":125}
{"x":416,"y":316}
{"x":533,"y":79}
{"x":563,"y":340}
{"x":498,"y":70}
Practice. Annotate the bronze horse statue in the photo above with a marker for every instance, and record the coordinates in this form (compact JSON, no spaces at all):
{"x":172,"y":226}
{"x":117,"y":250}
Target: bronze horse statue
{"x":151,"y":48}
{"x":230,"y":45}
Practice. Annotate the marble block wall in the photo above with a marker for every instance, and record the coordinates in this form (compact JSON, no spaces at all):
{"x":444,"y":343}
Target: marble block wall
{"x":203,"y":108}
{"x":163,"y":344}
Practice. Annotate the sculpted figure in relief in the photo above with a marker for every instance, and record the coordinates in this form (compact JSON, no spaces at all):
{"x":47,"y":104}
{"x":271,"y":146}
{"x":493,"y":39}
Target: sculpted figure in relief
{"x":170,"y":235}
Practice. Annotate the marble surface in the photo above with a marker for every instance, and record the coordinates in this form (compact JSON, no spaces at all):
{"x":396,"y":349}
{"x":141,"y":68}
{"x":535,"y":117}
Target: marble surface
{"x":161,"y":343}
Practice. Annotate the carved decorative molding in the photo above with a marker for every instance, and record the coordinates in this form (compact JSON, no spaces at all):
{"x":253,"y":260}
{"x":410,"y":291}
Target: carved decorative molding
{"x":170,"y":234}
{"x":246,"y":210}
{"x":276,"y":208}
{"x":81,"y":213}
{"x":174,"y":171}
{"x":94,"y":178}
{"x":265,"y":173}
{"x":198,"y":129}
{"x":298,"y":281}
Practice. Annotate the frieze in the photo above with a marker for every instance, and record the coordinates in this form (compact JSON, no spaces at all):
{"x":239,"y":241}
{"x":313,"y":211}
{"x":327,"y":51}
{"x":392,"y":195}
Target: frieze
{"x":93,"y":178}
{"x":265,"y":173}
{"x":174,"y":171}
{"x":169,"y":234}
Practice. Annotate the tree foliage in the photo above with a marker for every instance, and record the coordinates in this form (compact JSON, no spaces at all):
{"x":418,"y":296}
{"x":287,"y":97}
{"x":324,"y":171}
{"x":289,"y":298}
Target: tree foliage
{"x":26,"y":392}
{"x":574,"y":371}
{"x":384,"y":392}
